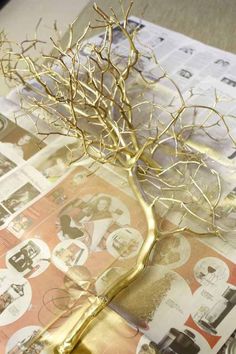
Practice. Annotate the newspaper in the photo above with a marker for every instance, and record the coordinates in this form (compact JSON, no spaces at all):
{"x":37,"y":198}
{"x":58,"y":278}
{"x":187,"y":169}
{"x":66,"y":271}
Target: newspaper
{"x":58,"y":220}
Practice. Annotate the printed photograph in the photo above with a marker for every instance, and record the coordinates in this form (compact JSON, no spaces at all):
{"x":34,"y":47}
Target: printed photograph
{"x":210,"y":271}
{"x":230,"y":345}
{"x":181,"y":340}
{"x":146,"y":40}
{"x":20,"y":224}
{"x":185,"y":73}
{"x":60,"y":162}
{"x":187,"y":50}
{"x":15,"y":296}
{"x":213,"y":306}
{"x":58,"y":196}
{"x":98,"y":207}
{"x":68,"y":254}
{"x":91,"y":218}
{"x":79,"y":178}
{"x":3,"y":215}
{"x":3,"y":123}
{"x":20,"y":198}
{"x":6,"y":165}
{"x":131,"y":27}
{"x":16,"y":141}
{"x":124,"y":243}
{"x":185,"y":340}
{"x":24,"y":341}
{"x":30,"y":258}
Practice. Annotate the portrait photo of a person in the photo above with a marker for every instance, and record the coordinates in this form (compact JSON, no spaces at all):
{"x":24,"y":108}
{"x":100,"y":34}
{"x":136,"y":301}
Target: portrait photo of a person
{"x":99,"y":209}
{"x":57,"y":168}
{"x":96,"y":208}
{"x":21,"y":197}
{"x":85,"y":220}
{"x":18,"y":147}
{"x":69,"y":228}
{"x":6,"y":165}
{"x":16,"y":141}
{"x":91,"y":218}
{"x":59,"y":162}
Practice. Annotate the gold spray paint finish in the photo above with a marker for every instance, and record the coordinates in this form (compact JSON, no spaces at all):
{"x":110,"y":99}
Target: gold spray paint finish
{"x":90,"y":91}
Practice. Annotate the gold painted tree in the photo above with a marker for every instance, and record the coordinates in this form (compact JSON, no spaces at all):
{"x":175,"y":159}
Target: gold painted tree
{"x":125,"y":116}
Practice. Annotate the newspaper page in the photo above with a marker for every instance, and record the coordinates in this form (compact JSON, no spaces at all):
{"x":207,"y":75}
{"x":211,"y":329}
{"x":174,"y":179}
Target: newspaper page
{"x":60,"y":219}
